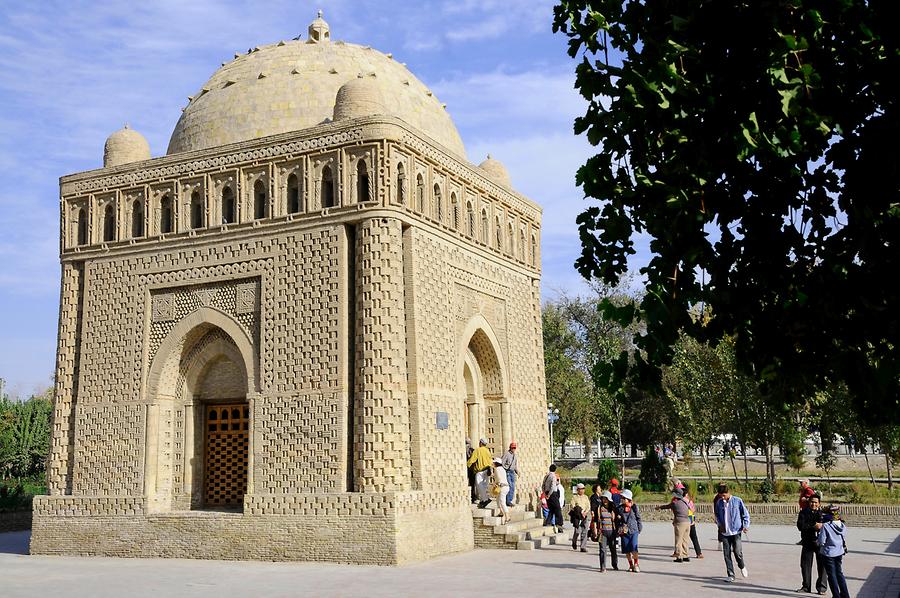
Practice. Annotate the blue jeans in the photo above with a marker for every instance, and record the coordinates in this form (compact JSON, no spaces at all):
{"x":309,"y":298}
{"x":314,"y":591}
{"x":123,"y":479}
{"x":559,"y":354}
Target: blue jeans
{"x":835,"y":571}
{"x":511,"y":478}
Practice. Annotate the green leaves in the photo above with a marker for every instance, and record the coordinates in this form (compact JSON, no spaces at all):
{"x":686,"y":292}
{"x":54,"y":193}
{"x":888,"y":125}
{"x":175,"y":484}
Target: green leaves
{"x":783,"y":134}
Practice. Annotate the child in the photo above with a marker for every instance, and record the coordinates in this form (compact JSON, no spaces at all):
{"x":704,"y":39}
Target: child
{"x":833,"y":547}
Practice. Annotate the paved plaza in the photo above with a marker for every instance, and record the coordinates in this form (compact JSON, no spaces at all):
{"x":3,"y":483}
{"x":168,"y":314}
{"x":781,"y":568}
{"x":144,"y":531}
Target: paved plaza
{"x":872,"y":568}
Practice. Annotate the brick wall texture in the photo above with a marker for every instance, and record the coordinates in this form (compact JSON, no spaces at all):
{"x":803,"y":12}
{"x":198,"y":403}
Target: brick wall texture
{"x":343,"y":329}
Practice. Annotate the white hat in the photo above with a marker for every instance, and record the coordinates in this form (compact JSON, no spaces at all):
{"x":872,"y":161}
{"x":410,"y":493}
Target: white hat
{"x":607,"y":495}
{"x":579,"y":487}
{"x":498,"y":461}
{"x":626,"y":494}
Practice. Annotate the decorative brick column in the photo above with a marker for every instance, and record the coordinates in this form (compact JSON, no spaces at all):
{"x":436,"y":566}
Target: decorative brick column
{"x":381,"y":430}
{"x":59,"y":465}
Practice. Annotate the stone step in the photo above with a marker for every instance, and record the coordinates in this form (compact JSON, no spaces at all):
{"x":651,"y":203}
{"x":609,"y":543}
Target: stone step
{"x":492,"y":510}
{"x":513,"y":517}
{"x":541,"y":542}
{"x":518,"y":526}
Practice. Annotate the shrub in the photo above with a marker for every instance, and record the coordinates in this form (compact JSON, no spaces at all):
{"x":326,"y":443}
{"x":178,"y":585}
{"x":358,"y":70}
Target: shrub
{"x":607,"y":471}
{"x":636,"y":489}
{"x":653,"y":473}
{"x":766,"y":490}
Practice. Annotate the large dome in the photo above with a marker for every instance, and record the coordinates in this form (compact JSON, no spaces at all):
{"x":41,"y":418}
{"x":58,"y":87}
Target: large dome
{"x":292,"y":85}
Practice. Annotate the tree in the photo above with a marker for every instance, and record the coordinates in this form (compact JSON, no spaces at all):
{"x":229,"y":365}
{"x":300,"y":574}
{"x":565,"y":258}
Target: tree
{"x":699,"y":389}
{"x":24,"y":436}
{"x":605,"y":343}
{"x":568,"y":386}
{"x":754,"y":143}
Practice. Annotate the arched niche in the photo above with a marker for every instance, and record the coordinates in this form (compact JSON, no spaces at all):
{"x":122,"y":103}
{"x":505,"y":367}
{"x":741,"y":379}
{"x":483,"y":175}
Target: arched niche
{"x":207,"y":362}
{"x":483,"y":383}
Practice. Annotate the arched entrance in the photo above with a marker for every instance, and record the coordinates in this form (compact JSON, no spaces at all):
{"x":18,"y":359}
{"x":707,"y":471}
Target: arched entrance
{"x":199,"y":446}
{"x":484,"y":387}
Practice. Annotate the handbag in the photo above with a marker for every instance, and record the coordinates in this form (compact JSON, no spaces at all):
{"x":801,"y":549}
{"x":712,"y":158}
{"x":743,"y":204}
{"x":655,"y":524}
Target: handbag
{"x":494,"y":489}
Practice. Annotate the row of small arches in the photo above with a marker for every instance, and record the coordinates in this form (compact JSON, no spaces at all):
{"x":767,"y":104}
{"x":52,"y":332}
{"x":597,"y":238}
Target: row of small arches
{"x":470,"y":230}
{"x":228,"y":206}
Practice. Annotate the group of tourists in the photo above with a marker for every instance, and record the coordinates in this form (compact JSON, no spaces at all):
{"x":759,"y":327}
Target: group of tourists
{"x":612,"y":518}
{"x":492,"y":477}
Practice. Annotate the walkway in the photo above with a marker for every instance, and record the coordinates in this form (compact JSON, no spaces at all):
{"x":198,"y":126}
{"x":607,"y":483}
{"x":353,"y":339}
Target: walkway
{"x":872,"y":567}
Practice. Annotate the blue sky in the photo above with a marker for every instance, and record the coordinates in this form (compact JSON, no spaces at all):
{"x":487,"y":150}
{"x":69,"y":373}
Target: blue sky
{"x":73,"y":72}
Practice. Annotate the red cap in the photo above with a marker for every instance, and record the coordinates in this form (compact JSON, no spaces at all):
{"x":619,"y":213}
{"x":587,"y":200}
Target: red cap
{"x":512,"y":445}
{"x":614,"y":482}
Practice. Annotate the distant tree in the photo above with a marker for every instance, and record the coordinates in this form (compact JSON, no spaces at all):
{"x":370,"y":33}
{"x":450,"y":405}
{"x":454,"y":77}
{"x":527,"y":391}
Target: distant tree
{"x":24,"y":436}
{"x":568,"y":385}
{"x":754,"y":144}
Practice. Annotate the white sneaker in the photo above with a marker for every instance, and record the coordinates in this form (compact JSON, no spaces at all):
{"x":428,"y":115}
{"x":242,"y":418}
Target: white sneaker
{"x":744,"y":572}
{"x":729,"y":579}
{"x":637,"y":569}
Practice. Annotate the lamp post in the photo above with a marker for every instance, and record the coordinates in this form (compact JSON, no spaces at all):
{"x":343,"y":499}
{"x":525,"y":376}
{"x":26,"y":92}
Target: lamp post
{"x":552,"y":417}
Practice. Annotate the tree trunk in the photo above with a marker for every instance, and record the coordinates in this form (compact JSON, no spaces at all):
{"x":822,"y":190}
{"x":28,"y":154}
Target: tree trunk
{"x":704,"y":450}
{"x":869,"y":466}
{"x":746,"y":470}
{"x":734,"y":468}
{"x":621,"y":448}
{"x":887,"y":460}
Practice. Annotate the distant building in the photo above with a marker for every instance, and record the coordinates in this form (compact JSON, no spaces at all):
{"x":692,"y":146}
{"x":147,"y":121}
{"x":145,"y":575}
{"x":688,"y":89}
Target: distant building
{"x":274,"y":340}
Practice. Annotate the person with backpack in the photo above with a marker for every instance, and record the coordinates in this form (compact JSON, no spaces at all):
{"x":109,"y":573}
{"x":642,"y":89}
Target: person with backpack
{"x":631,"y":527}
{"x":833,"y":546}
{"x":732,"y":519}
{"x":682,"y":515}
{"x":580,"y":515}
{"x":550,"y":487}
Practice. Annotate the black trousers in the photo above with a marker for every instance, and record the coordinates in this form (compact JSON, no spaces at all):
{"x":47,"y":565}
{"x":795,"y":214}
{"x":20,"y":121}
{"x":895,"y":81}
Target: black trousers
{"x":806,"y":561}
{"x":555,"y":516}
{"x":695,"y":540}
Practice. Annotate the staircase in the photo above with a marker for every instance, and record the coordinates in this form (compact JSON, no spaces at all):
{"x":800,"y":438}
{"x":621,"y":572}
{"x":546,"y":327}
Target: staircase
{"x":525,"y":530}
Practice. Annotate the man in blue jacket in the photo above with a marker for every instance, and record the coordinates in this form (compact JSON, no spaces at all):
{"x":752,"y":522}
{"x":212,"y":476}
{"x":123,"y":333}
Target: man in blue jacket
{"x":733,"y":520}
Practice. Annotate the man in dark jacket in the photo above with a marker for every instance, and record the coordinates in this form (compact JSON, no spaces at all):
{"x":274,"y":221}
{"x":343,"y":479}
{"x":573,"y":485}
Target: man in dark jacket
{"x":809,"y":521}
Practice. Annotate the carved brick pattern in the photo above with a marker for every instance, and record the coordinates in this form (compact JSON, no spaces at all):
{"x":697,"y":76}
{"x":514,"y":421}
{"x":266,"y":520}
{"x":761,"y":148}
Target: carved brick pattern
{"x":163,"y":307}
{"x":381,"y":412}
{"x":192,"y":167}
{"x":458,"y":170}
{"x":113,"y":322}
{"x":223,"y":296}
{"x":58,"y":481}
{"x":303,"y":345}
{"x":109,"y":450}
{"x":246,"y":295}
{"x":298,"y":444}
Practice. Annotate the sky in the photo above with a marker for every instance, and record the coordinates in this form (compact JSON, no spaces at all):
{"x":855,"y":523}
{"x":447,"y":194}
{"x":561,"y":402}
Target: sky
{"x":72,"y":72}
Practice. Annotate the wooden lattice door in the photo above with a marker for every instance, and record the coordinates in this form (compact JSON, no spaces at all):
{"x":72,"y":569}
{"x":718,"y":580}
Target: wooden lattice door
{"x":227,"y":440}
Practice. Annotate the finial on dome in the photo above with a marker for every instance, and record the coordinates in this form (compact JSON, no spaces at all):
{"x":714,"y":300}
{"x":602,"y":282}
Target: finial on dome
{"x":319,"y":32}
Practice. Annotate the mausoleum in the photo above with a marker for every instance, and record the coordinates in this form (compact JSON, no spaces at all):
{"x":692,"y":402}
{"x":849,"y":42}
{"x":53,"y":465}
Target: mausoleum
{"x":275,"y":339}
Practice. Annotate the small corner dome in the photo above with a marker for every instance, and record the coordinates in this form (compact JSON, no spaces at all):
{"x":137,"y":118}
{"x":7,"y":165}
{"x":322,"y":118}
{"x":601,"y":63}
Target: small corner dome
{"x":124,"y":146}
{"x":496,"y":171}
{"x":358,"y":97}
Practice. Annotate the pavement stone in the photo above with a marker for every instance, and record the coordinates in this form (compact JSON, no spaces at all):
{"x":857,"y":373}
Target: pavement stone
{"x":872,"y":567}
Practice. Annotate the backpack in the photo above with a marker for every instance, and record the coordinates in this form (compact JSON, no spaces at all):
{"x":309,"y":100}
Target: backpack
{"x":691,"y":517}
